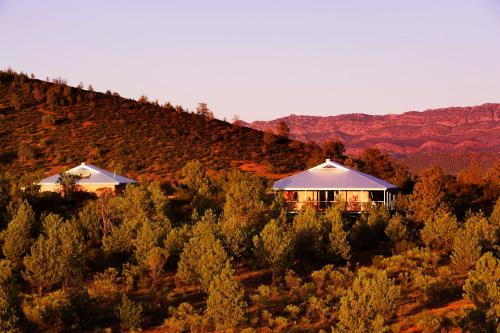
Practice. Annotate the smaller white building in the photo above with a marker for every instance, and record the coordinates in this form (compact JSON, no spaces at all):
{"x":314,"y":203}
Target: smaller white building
{"x":323,"y":185}
{"x":88,"y":178}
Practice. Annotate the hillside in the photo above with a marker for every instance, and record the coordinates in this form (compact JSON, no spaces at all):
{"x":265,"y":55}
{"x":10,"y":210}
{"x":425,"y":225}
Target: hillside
{"x":427,"y":134}
{"x":50,"y":125}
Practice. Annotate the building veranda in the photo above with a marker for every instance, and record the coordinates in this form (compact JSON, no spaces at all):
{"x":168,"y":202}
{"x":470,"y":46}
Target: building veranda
{"x":328,"y":183}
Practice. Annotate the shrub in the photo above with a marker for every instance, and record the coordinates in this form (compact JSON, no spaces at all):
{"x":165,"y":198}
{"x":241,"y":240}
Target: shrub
{"x":435,"y":288}
{"x":339,"y":244}
{"x":439,"y":231}
{"x":182,"y":319}
{"x":105,"y":285}
{"x":483,"y":290}
{"x":48,"y":310}
{"x":311,"y":233}
{"x":226,"y":306}
{"x":331,"y":283}
{"x":264,"y":296}
{"x":203,"y":256}
{"x":466,"y":251}
{"x":9,"y":313}
{"x":274,"y":247}
{"x":368,"y":303}
{"x":129,"y":313}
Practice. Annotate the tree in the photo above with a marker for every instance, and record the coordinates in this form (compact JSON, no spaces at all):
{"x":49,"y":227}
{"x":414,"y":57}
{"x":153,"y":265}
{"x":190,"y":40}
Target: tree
{"x":339,"y":243}
{"x":282,"y":129}
{"x":243,"y":210}
{"x":9,"y":312}
{"x":149,"y":253}
{"x":368,"y":304}
{"x":130,"y":314}
{"x":199,"y":185}
{"x":226,"y":306}
{"x":480,"y":228}
{"x":428,"y":194}
{"x":17,"y":238}
{"x":67,"y":184}
{"x":42,"y":269}
{"x":483,"y":290}
{"x":203,"y":257}
{"x":56,"y":256}
{"x":466,"y":251}
{"x":334,"y":149}
{"x":203,"y":110}
{"x":396,"y":229}
{"x":274,"y":247}
{"x":311,"y":233}
{"x":439,"y":230}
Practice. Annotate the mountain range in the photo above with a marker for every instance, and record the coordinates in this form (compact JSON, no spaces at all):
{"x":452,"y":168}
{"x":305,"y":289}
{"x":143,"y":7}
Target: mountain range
{"x":412,"y":136}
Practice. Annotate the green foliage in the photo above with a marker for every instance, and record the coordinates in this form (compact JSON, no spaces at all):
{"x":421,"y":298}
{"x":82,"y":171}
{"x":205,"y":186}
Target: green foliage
{"x":435,"y":287}
{"x":17,"y":238}
{"x":182,"y":319}
{"x":56,"y":256}
{"x":105,"y":285}
{"x":339,"y":243}
{"x":274,"y":247}
{"x":311,"y":233}
{"x":243,"y":210}
{"x":67,"y":184}
{"x":203,"y":257}
{"x":428,"y":194}
{"x":199,"y":185}
{"x":481,"y":229}
{"x":466,"y":251}
{"x":140,"y":207}
{"x":369,"y":230}
{"x":331,"y":284}
{"x":9,"y":312}
{"x":368,"y":304}
{"x":482,"y":288}
{"x":439,"y":230}
{"x":130,"y":314}
{"x":226,"y":306}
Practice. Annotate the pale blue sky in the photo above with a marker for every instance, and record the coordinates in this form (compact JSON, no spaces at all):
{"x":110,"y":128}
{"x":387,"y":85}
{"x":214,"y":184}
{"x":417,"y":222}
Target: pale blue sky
{"x":265,"y":59}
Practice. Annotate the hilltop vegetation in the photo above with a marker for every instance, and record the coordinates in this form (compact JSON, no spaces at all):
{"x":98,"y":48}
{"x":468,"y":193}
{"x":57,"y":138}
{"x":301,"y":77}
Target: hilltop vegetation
{"x":222,"y":255}
{"x":211,"y":250}
{"x":49,"y":125}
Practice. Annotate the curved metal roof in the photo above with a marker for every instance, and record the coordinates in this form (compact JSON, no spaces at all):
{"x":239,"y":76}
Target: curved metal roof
{"x":332,"y":176}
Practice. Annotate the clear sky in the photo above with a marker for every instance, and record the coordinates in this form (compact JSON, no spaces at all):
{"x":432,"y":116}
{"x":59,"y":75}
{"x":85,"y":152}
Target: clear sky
{"x":265,"y":59}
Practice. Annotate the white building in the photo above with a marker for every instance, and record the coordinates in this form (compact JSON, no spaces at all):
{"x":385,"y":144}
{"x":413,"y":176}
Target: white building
{"x":330,"y":182}
{"x":88,"y":178}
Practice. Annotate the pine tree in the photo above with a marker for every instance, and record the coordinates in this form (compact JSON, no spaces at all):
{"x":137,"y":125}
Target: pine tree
{"x":428,"y":194}
{"x":368,"y":304}
{"x":203,"y":257}
{"x":17,"y":238}
{"x":339,"y":243}
{"x":274,"y":247}
{"x":130,"y":314}
{"x":42,"y":267}
{"x":482,"y":288}
{"x":243,"y":210}
{"x":439,"y":230}
{"x":226,"y":306}
{"x":311,"y":233}
{"x":466,"y":251}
